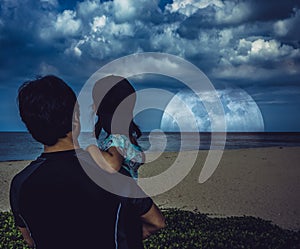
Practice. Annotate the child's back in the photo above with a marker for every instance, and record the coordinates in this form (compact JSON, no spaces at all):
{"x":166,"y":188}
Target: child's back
{"x":132,"y":154}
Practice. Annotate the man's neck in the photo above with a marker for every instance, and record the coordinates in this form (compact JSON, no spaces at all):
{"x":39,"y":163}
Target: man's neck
{"x":63,"y":144}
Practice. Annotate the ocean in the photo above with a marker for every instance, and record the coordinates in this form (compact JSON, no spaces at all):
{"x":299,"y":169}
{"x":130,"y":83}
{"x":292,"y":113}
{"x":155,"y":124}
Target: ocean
{"x":21,"y":146}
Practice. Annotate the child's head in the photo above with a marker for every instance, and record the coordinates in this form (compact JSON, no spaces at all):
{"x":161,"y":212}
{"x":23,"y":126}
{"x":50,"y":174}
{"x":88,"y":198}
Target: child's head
{"x":114,"y":99}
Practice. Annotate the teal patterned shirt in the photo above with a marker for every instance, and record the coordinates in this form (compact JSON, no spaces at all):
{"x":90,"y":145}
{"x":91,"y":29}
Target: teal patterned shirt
{"x":132,"y":154}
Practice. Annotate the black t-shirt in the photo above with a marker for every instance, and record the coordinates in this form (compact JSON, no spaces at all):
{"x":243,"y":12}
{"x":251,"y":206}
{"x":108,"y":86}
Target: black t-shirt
{"x":63,"y":208}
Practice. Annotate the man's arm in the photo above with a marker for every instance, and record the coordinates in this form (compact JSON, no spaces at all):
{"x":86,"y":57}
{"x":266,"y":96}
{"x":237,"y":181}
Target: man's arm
{"x":26,"y":236}
{"x":14,"y":193}
{"x":152,"y":221}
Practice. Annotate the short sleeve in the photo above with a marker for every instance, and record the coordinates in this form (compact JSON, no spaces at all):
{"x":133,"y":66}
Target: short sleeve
{"x":14,"y":202}
{"x":139,"y":205}
{"x":15,"y":190}
{"x":142,"y":205}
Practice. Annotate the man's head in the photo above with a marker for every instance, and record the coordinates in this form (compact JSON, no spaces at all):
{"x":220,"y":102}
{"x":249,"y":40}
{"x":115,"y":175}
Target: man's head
{"x":46,"y":107}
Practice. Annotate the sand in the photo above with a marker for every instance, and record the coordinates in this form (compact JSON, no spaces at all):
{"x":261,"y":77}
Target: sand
{"x":262,"y":182}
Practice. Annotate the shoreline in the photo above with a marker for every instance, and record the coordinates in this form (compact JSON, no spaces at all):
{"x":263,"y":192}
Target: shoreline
{"x":175,"y":152}
{"x":259,"y":182}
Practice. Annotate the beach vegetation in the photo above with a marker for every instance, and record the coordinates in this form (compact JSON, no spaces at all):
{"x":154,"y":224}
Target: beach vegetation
{"x":191,"y":230}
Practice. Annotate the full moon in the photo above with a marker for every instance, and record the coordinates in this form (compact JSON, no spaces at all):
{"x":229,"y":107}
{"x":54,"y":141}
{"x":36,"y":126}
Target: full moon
{"x":241,"y":112}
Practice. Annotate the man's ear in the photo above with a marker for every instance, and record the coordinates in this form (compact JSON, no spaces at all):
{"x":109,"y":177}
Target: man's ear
{"x":76,"y":123}
{"x":76,"y":111}
{"x":76,"y":116}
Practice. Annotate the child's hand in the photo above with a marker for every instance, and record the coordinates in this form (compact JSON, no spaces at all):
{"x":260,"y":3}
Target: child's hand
{"x":110,"y":160}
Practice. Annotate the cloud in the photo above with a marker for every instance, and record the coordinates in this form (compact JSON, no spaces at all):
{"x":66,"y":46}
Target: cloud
{"x":226,"y":39}
{"x":288,"y":28}
{"x":125,"y":10}
{"x":258,"y":59}
{"x":47,"y":69}
{"x":266,"y":50}
{"x":190,"y":7}
{"x":98,"y":23}
{"x":261,"y":10}
{"x":66,"y":23}
{"x":86,"y":8}
{"x":242,"y":43}
{"x":233,"y":12}
{"x":272,"y":49}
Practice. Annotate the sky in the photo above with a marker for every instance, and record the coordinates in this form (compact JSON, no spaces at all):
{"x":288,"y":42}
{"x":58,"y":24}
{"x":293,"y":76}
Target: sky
{"x":249,"y":50}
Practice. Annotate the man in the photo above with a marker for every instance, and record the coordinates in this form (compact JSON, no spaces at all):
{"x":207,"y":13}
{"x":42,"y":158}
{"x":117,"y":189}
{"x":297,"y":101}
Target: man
{"x":54,"y":203}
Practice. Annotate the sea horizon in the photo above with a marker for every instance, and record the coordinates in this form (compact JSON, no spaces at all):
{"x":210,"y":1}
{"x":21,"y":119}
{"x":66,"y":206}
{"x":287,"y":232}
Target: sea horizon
{"x":19,"y":145}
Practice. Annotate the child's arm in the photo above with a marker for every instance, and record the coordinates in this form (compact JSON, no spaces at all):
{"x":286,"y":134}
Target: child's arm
{"x":110,"y":160}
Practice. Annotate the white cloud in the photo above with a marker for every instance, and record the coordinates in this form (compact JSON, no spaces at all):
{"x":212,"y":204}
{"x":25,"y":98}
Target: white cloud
{"x":77,"y":51}
{"x":225,"y":37}
{"x":267,"y":50}
{"x":244,"y":46}
{"x":233,"y":12}
{"x":257,"y":59}
{"x":110,"y":29}
{"x":225,"y":12}
{"x":74,"y":49}
{"x":98,"y":23}
{"x":189,"y":7}
{"x":66,"y":23}
{"x":165,"y":38}
{"x":124,"y":9}
{"x":87,"y":7}
{"x":53,"y":25}
{"x":123,"y":29}
{"x":114,"y":28}
{"x":281,"y":27}
{"x":261,"y":47}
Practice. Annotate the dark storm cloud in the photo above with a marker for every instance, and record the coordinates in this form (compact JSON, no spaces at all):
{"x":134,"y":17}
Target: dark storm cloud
{"x":217,"y":36}
{"x":272,"y":11}
{"x":248,"y":44}
{"x":20,"y":44}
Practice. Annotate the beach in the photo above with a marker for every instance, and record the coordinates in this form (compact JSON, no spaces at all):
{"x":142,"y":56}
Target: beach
{"x":259,"y":182}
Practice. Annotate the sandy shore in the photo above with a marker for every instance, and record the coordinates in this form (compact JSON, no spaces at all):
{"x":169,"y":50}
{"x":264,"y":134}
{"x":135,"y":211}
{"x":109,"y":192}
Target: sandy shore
{"x":263,"y":182}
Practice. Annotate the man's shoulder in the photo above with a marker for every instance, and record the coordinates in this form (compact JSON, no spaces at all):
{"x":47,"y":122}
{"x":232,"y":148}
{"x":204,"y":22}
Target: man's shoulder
{"x":19,"y":179}
{"x":27,"y":171}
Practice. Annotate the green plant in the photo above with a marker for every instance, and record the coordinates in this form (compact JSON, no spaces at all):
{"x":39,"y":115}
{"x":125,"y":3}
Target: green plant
{"x":10,"y":237}
{"x":192,"y":230}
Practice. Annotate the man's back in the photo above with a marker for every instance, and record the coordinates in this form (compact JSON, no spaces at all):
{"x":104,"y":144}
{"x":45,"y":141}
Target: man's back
{"x":54,"y":202}
{"x":62,"y":206}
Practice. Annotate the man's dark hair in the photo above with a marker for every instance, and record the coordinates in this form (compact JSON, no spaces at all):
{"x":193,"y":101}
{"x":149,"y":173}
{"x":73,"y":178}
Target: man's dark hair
{"x":46,"y":107}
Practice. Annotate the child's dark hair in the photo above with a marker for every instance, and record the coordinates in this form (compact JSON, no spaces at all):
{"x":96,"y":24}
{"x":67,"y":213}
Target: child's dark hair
{"x":108,"y":94}
{"x":46,"y":106}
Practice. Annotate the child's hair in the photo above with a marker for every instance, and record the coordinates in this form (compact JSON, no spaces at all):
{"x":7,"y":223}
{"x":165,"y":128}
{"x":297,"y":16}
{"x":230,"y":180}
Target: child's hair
{"x":108,"y":94}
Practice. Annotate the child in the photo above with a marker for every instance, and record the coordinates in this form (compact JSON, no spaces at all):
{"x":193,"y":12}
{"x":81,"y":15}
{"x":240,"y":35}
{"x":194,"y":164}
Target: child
{"x":114,"y":113}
